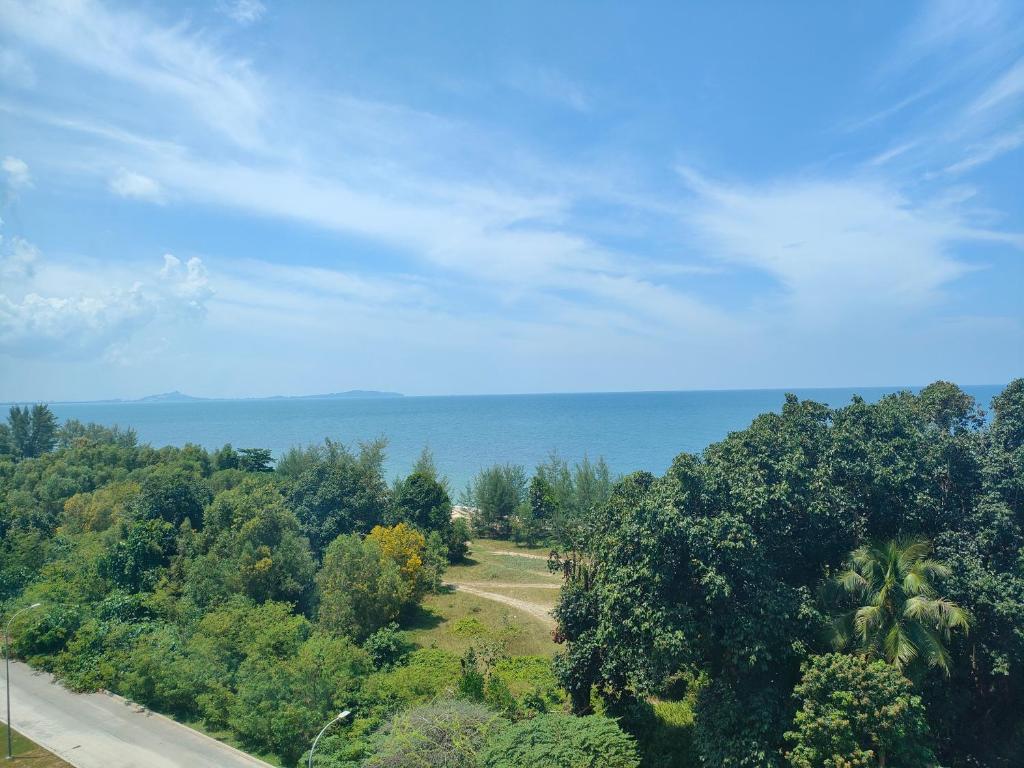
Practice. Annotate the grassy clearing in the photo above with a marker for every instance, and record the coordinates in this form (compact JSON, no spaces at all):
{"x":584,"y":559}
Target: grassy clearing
{"x":487,"y":562}
{"x":454,"y":621}
{"x":28,"y":753}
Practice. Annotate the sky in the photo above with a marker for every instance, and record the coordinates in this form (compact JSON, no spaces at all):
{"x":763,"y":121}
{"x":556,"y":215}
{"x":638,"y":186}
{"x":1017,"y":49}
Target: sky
{"x":258,"y":197}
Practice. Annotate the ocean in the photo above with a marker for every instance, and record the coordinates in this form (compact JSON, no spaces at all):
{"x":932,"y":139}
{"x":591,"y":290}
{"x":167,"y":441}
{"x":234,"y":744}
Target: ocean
{"x":631,"y":430}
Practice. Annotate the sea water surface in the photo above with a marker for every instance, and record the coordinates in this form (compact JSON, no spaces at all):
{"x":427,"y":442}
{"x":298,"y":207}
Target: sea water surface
{"x":632,"y":431}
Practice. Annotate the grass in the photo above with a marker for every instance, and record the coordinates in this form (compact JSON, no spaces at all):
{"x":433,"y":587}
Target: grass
{"x":229,"y":738}
{"x":27,"y":753}
{"x":454,"y":621}
{"x":486,"y":562}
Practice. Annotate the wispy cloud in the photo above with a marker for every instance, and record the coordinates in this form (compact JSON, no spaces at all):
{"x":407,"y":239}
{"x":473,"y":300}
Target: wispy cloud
{"x":838,"y":248}
{"x":987,"y":151}
{"x":128,"y":47}
{"x":1009,"y":85}
{"x":245,"y":12}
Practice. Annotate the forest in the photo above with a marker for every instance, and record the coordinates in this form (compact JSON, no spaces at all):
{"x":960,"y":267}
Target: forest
{"x":829,"y":587}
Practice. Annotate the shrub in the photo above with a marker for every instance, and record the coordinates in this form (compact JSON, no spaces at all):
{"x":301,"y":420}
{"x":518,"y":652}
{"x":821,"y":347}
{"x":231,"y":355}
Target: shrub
{"x":558,"y":740}
{"x":444,"y":733}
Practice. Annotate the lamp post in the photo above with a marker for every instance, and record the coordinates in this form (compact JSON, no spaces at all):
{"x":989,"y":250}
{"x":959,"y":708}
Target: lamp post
{"x":7,"y":666}
{"x":341,"y":716}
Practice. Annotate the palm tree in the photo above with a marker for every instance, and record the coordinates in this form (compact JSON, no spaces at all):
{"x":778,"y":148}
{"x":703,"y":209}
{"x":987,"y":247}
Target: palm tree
{"x":898,"y":614}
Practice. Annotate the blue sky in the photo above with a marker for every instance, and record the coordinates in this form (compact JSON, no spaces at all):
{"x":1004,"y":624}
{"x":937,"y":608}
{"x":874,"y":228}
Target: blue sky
{"x":250,"y":197}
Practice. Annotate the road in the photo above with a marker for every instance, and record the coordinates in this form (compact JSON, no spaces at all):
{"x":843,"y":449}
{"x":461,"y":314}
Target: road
{"x":99,"y":730}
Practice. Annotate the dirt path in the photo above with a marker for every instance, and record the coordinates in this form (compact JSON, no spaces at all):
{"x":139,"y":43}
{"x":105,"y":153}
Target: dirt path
{"x":535,"y":610}
{"x":506,"y":585}
{"x":516,"y":554}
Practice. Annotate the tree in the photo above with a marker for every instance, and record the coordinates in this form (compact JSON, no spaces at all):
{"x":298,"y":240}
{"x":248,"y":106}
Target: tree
{"x":31,"y":432}
{"x":407,"y":548}
{"x":898,"y":615}
{"x":172,"y":493}
{"x":422,"y":501}
{"x":361,"y":590}
{"x":251,"y":543}
{"x":857,"y":714}
{"x":497,"y":493}
{"x":557,"y":740}
{"x":281,"y":704}
{"x":537,"y":518}
{"x":255,"y":459}
{"x":338,"y":493}
{"x":447,"y":733}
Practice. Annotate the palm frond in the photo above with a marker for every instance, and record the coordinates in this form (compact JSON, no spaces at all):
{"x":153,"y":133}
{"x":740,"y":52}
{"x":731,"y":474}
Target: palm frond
{"x":898,"y":647}
{"x":953,"y":616}
{"x":852,"y":582}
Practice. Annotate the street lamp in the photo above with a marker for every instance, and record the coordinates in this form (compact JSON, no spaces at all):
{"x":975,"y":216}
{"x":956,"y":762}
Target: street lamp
{"x":7,"y":665}
{"x":341,"y":716}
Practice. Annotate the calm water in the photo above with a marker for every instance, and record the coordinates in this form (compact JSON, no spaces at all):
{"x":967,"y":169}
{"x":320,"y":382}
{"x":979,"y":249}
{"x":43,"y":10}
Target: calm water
{"x":630,"y":430}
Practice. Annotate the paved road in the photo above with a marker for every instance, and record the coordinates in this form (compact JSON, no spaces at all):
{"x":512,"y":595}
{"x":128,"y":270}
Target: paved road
{"x":99,"y":730}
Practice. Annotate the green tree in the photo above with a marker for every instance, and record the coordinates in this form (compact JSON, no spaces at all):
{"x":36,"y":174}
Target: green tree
{"x":422,"y":501}
{"x":497,"y":493}
{"x":338,"y":492}
{"x":360,"y":589}
{"x":172,"y":493}
{"x":898,"y":614}
{"x":255,"y":459}
{"x":30,"y":432}
{"x":251,"y":543}
{"x":557,"y":740}
{"x":857,"y":714}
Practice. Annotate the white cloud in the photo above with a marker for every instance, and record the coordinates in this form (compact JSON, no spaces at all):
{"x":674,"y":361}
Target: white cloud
{"x":987,"y":151}
{"x":838,"y":248}
{"x":17,"y":172}
{"x":245,"y":12}
{"x":17,"y":260}
{"x":15,"y":69}
{"x":74,"y":323}
{"x":186,"y":285}
{"x":134,"y":185}
{"x":168,"y":61}
{"x":1009,"y":86}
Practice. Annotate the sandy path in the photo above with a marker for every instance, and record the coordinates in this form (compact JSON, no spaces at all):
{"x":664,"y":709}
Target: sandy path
{"x":535,"y":610}
{"x":516,"y":554}
{"x":506,"y":585}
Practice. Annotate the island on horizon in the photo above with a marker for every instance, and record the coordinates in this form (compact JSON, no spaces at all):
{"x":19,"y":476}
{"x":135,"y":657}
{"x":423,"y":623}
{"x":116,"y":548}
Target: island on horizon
{"x":180,"y":397}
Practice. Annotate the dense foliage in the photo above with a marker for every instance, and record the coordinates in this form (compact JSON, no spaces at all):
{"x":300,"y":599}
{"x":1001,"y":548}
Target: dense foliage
{"x":724,"y":572}
{"x":828,"y":587}
{"x":258,"y":599}
{"x":857,"y":714}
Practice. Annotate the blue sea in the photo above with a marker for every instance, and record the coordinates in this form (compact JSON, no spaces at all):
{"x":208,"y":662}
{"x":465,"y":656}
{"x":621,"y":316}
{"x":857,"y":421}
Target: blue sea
{"x":636,"y":430}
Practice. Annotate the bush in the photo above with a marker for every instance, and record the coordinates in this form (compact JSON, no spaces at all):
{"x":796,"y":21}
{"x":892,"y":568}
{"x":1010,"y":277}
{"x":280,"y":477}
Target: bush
{"x":445,"y":733}
{"x":562,"y":741}
{"x":387,"y":647}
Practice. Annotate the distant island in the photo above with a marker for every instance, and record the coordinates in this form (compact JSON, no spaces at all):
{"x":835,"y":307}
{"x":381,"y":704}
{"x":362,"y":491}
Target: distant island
{"x":168,"y":397}
{"x":181,"y":397}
